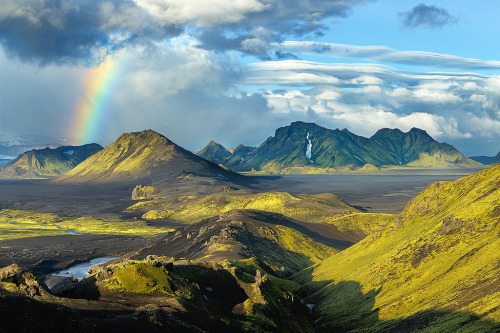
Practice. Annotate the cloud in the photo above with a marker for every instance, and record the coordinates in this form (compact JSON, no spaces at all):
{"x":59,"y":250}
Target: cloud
{"x":301,"y":72}
{"x":67,"y":31}
{"x":63,"y":31}
{"x":426,"y":16}
{"x":387,"y":55}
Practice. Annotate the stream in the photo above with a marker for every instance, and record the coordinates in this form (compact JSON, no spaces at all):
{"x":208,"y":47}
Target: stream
{"x":80,"y":271}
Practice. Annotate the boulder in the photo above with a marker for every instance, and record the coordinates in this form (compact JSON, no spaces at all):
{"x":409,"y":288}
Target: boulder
{"x":59,"y":284}
{"x":12,"y":273}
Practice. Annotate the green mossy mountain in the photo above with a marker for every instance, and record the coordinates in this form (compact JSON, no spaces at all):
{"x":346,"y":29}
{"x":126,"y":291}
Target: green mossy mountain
{"x":435,"y":269}
{"x":44,"y":163}
{"x":215,"y":152}
{"x":341,"y":148}
{"x":145,"y":157}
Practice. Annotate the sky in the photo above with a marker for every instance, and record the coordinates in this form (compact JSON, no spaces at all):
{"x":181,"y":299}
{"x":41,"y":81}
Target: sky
{"x":234,"y":71}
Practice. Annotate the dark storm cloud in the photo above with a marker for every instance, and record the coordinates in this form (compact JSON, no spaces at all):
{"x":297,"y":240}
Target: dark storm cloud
{"x":427,"y":16}
{"x":65,"y":31}
{"x":259,"y":31}
{"x":60,"y":31}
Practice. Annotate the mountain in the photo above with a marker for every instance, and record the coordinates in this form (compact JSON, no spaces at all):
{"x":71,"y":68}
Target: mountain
{"x":436,"y":268}
{"x":496,"y":159}
{"x":214,"y":152}
{"x":43,"y":163}
{"x":146,"y":158}
{"x":306,"y":144}
{"x":486,"y":160}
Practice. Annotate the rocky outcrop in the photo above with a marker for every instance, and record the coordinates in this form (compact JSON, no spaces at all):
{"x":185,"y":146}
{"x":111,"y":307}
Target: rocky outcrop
{"x":14,"y":278}
{"x":144,"y":192}
{"x":60,"y":284}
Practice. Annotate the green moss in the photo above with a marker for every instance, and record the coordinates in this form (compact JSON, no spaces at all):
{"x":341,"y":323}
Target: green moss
{"x":441,"y":252}
{"x":21,"y":224}
{"x":311,"y":208}
{"x":144,"y":278}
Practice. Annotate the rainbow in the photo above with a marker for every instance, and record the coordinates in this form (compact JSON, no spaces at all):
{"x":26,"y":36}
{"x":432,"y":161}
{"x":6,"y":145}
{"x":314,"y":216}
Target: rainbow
{"x":89,"y":119}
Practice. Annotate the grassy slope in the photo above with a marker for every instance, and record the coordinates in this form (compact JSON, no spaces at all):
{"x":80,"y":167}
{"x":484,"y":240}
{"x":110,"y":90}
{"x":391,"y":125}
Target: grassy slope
{"x":320,"y":208}
{"x":442,"y":253}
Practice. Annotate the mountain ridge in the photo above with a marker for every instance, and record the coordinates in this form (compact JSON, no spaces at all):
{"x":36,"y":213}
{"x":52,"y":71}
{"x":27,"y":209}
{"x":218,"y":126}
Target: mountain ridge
{"x":341,"y":148}
{"x":47,"y":162}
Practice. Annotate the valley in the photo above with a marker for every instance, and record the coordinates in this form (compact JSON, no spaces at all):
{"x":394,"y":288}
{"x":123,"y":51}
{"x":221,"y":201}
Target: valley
{"x":202,"y":248}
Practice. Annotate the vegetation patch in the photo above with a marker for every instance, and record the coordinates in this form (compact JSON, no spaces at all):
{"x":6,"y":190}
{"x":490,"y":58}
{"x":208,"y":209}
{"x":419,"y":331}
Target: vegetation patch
{"x":21,"y":224}
{"x":438,"y":261}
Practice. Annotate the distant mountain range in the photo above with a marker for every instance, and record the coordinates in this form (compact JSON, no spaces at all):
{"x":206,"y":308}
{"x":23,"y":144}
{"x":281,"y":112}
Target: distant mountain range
{"x":306,"y":144}
{"x":47,"y":162}
{"x":146,"y":158}
{"x":488,"y":160}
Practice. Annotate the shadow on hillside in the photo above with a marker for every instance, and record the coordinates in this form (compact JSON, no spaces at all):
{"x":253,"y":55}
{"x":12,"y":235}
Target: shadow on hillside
{"x":279,"y":219}
{"x":344,"y":307}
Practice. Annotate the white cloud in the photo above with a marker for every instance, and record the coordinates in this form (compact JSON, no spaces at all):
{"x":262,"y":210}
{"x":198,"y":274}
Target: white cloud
{"x":372,"y":89}
{"x":435,"y":96}
{"x":386,"y":54}
{"x":200,"y":12}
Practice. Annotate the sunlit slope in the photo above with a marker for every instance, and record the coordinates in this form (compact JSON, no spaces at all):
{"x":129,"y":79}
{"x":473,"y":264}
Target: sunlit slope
{"x":43,"y":163}
{"x":345,"y":221}
{"x":439,"y":263}
{"x":140,"y":156}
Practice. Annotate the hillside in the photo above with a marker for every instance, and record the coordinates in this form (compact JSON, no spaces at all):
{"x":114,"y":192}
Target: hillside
{"x":43,"y":163}
{"x":243,"y":234}
{"x":309,"y":145}
{"x":325,"y":213}
{"x":146,"y":158}
{"x":434,"y":269}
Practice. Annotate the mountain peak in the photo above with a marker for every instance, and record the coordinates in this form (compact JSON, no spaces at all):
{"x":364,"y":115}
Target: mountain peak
{"x":145,"y":156}
{"x":214,"y":152}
